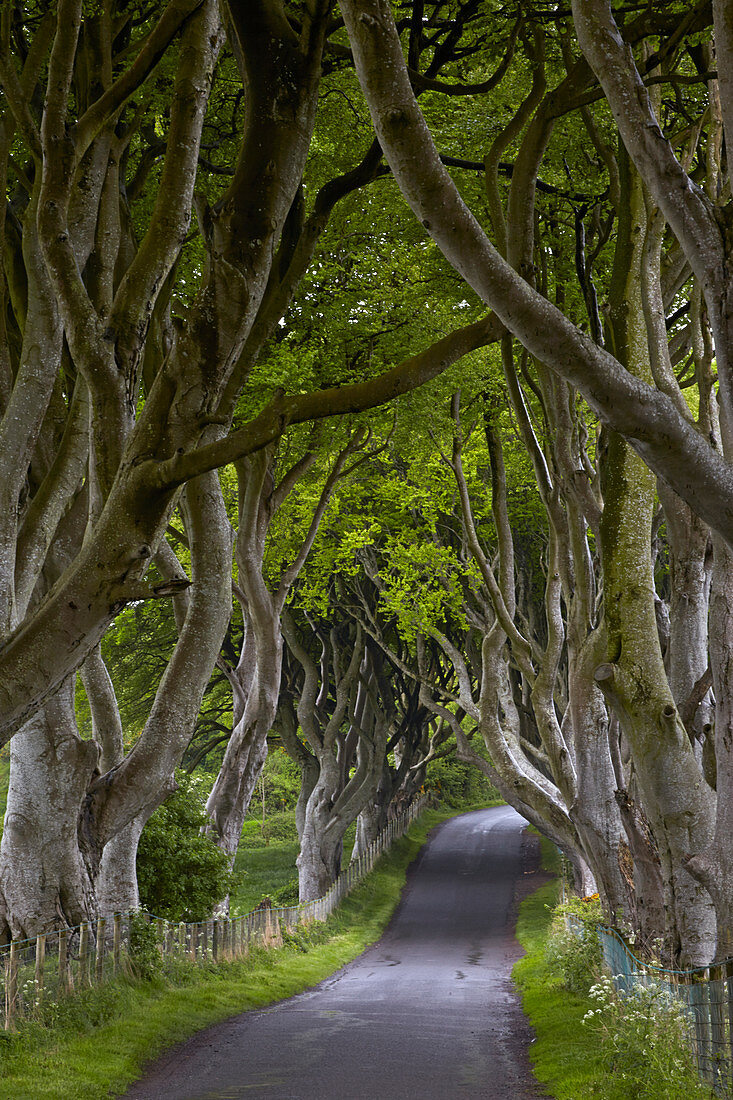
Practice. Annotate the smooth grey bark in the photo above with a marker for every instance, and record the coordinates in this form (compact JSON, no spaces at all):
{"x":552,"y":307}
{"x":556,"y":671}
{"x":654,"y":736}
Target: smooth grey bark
{"x":336,"y":801}
{"x":346,"y":740}
{"x":116,"y":879}
{"x":137,"y":783}
{"x":74,"y":830}
{"x":255,"y":705}
{"x":689,"y":211}
{"x":561,"y":472}
{"x":368,"y":827}
{"x":676,"y":798}
{"x":712,"y":865}
{"x":690,"y":564}
{"x":46,"y":867}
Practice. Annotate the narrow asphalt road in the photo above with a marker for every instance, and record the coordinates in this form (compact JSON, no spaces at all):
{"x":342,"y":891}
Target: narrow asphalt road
{"x":428,"y":1012}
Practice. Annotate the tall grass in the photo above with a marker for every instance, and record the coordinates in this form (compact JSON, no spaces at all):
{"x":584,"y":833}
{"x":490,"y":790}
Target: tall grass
{"x":265,"y":863}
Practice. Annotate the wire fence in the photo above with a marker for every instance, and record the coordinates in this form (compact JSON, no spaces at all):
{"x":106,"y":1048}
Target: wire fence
{"x":40,"y":972}
{"x":707,"y":998}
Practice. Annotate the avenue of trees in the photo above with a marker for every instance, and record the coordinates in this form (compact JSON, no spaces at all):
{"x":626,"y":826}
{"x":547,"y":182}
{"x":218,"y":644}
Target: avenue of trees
{"x":366,"y":377}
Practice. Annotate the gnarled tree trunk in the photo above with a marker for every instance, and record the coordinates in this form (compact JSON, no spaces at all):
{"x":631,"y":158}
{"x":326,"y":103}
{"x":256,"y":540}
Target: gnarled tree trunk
{"x":47,"y":869}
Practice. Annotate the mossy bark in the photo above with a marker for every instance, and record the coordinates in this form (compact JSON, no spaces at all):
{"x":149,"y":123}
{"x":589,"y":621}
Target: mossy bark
{"x":678,"y":800}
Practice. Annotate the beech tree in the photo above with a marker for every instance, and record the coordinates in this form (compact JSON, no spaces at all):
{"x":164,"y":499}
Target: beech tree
{"x":568,"y":172}
{"x":127,"y":336}
{"x":255,"y":679}
{"x":122,"y":326}
{"x":625,"y":376}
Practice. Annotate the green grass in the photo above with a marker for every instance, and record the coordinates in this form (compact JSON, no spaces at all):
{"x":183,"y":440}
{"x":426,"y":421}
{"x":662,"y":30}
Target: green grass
{"x":104,"y":1037}
{"x":262,"y":872}
{"x":566,"y":1056}
{"x":265,"y":864}
{"x":568,"y":1059}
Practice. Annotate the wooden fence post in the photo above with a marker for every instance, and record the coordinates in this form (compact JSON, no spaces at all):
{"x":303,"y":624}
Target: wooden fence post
{"x":116,"y":941}
{"x":40,"y":961}
{"x":64,"y":973}
{"x":717,"y":1025}
{"x":11,"y":985}
{"x":84,"y":953}
{"x":215,"y":939}
{"x":99,"y":957}
{"x":728,"y":971}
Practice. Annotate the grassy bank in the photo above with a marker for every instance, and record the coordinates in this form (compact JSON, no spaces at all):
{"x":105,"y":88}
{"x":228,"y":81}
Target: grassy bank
{"x":566,"y":1056}
{"x":571,"y":1059}
{"x":101,"y":1039}
{"x":265,"y":863}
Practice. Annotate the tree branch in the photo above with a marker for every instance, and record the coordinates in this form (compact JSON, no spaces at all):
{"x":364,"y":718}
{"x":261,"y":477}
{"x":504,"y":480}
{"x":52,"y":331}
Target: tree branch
{"x":282,"y":411}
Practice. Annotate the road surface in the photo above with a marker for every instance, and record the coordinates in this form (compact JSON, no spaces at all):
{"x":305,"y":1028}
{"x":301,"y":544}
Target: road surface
{"x":427,"y":1013}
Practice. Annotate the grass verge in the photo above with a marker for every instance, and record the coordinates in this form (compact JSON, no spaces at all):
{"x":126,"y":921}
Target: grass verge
{"x":568,"y":1059}
{"x":566,"y":1056}
{"x":100,"y":1040}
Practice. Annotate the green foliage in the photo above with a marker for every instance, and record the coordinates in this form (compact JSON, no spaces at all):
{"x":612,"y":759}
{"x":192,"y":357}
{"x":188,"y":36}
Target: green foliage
{"x":261,"y":870}
{"x":286,"y":895}
{"x":136,"y":650}
{"x":266,"y":868}
{"x":644,"y":1037}
{"x":459,"y":785}
{"x":276,"y":829}
{"x":573,"y":949}
{"x":568,"y":1058}
{"x":145,"y":956}
{"x":181,"y":874}
{"x":279,"y":828}
{"x":281,"y":779}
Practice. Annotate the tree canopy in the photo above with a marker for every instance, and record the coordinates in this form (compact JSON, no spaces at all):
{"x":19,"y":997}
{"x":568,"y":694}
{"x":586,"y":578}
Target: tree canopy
{"x":365,"y":383}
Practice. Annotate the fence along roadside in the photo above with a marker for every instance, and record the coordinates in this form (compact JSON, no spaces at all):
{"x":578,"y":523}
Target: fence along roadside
{"x":706,"y":994}
{"x":55,"y":964}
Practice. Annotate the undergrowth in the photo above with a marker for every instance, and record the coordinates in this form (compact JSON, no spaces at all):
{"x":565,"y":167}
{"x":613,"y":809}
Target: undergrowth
{"x":592,"y":1042}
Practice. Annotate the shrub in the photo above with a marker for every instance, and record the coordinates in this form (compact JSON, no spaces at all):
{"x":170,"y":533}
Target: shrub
{"x":181,"y":873}
{"x":280,"y":828}
{"x":145,"y":956}
{"x":573,"y":949}
{"x":252,"y":834}
{"x":460,"y":785}
{"x":286,"y":895}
